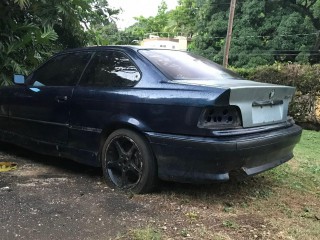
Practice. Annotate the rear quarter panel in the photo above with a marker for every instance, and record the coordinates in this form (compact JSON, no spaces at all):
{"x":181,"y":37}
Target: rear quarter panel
{"x":162,"y":109}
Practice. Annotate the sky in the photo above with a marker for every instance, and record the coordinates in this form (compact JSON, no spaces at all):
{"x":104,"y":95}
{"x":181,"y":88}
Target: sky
{"x":135,"y":8}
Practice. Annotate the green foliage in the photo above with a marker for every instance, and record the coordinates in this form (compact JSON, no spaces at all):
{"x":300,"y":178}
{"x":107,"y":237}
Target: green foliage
{"x":304,"y":77}
{"x":147,"y":233}
{"x":182,"y":19}
{"x":263,"y":31}
{"x":158,"y":24}
{"x":178,"y":22}
{"x":32,"y":30}
{"x":230,"y":224}
{"x":305,"y":176}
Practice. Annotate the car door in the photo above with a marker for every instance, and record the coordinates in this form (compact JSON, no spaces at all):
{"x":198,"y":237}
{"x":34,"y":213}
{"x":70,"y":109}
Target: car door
{"x":100,"y":96}
{"x":40,"y":109}
{"x":4,"y":108}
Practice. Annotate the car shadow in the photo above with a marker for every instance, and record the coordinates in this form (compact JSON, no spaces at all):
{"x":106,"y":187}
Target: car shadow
{"x":21,"y":155}
{"x":230,"y":192}
{"x":254,"y":187}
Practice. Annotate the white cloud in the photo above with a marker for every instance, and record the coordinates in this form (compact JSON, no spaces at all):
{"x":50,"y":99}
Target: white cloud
{"x":135,"y":8}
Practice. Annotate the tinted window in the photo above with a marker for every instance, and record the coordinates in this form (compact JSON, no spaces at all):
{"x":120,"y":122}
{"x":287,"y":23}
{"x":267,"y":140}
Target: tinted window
{"x":111,"y":69}
{"x":183,"y":65}
{"x":62,"y":70}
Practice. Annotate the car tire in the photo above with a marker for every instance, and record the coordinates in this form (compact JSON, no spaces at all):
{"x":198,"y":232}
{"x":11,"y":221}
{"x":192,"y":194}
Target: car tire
{"x":128,"y":163}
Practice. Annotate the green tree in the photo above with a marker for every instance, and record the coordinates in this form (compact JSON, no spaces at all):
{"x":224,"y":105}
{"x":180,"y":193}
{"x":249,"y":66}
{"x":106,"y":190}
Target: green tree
{"x":151,"y":25}
{"x":182,"y":20}
{"x":263,"y":32}
{"x":32,"y":30}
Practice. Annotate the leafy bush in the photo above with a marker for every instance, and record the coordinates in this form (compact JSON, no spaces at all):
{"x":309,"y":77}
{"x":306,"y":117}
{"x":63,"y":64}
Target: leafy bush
{"x":306,"y":78}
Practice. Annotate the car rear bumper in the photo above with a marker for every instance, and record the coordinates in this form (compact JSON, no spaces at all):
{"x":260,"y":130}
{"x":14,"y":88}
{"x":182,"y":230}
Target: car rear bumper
{"x":200,"y":159}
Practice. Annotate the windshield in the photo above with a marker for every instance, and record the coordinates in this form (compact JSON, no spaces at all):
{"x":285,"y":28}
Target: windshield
{"x":178,"y":65}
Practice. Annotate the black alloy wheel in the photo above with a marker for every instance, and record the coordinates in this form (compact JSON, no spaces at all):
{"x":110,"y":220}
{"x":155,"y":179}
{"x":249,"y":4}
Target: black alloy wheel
{"x":128,"y":163}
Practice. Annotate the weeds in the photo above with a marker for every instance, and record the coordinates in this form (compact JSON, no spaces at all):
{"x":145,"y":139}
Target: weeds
{"x":147,"y":233}
{"x":230,"y":224}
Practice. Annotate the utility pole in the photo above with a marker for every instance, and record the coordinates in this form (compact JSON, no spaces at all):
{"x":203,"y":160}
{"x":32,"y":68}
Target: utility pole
{"x":229,"y":33}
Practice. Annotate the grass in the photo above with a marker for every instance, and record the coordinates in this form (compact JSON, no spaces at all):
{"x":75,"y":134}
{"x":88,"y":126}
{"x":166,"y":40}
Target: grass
{"x":303,"y":173}
{"x":230,"y":224}
{"x":283,"y":203}
{"x":147,"y":233}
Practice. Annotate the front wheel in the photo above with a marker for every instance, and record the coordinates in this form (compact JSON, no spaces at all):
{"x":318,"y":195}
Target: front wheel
{"x":128,"y":163}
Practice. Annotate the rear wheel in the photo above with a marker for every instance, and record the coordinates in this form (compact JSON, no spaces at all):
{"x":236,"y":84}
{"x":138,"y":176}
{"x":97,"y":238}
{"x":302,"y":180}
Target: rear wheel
{"x":128,"y":163}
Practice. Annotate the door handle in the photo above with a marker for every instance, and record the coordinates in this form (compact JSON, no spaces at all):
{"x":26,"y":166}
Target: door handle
{"x":60,"y":99}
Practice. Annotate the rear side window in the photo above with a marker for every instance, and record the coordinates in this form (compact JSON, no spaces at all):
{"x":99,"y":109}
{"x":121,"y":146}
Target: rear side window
{"x":111,"y":69}
{"x":62,"y":70}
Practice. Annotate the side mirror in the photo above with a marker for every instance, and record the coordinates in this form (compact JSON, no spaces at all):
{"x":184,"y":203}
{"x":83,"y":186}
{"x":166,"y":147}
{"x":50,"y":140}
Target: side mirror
{"x":19,"y":79}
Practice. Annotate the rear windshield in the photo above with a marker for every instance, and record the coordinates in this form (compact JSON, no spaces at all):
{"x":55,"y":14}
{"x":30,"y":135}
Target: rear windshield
{"x":178,"y":65}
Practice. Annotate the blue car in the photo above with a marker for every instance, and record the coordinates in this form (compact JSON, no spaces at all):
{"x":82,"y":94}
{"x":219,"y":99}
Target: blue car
{"x":148,"y":114}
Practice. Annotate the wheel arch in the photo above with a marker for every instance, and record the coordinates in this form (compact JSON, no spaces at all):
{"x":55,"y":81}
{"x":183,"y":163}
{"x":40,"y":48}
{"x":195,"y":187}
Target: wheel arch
{"x":123,"y":122}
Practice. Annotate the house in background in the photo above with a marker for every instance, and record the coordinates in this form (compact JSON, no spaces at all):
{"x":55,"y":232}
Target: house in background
{"x":176,"y":43}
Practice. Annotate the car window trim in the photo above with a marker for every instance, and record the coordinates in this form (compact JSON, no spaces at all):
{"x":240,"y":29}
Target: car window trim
{"x":93,"y":53}
{"x":168,"y":78}
{"x":111,"y":50}
{"x":57,"y":55}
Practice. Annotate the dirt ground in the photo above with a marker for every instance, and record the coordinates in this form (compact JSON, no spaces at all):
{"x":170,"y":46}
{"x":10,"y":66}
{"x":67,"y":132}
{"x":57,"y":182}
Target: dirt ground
{"x":52,"y":198}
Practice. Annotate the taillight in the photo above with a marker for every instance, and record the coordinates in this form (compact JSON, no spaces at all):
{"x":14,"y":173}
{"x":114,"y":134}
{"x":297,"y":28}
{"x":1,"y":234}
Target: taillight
{"x":221,"y":118}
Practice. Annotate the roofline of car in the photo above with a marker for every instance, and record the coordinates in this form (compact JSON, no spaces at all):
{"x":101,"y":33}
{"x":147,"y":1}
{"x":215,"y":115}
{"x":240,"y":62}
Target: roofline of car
{"x":112,"y":47}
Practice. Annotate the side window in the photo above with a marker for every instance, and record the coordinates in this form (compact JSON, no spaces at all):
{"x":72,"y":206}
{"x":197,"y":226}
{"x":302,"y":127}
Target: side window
{"x":62,"y":70}
{"x":111,"y":69}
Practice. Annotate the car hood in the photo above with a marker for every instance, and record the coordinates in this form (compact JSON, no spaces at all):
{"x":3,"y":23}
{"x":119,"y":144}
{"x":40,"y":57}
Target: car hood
{"x":259,"y":103}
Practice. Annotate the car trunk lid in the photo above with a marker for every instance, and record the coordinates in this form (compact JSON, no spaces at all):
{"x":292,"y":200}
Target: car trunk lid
{"x":260,"y":103}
